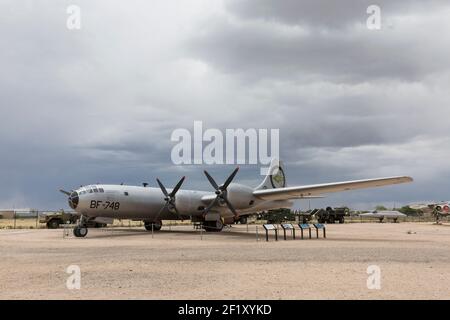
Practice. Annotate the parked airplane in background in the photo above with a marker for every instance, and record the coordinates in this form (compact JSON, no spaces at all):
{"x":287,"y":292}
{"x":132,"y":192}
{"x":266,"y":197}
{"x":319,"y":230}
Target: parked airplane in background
{"x":383,"y":214}
{"x":226,"y":204}
{"x":438,"y":209}
{"x":443,"y":207}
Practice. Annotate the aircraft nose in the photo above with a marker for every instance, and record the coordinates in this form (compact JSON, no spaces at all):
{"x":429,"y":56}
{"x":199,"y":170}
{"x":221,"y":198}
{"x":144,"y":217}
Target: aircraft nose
{"x":73,"y":200}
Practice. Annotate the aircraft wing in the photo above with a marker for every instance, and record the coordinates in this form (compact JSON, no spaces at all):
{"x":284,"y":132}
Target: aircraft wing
{"x":210,"y":197}
{"x":315,"y":189}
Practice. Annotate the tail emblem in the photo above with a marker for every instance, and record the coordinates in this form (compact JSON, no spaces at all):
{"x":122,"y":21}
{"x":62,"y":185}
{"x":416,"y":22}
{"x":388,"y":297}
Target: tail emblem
{"x":277,"y":178}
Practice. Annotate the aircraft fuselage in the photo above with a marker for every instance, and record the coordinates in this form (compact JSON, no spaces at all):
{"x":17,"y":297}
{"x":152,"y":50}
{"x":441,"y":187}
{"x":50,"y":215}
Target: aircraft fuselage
{"x":145,"y":203}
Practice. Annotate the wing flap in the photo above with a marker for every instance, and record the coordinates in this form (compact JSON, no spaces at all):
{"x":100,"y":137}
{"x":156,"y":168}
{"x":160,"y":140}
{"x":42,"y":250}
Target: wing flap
{"x":317,"y":189}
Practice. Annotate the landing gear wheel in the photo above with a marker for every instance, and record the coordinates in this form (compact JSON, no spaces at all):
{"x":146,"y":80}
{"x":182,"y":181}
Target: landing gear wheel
{"x":156,"y":226}
{"x":213,"y":226}
{"x":341,"y":220}
{"x":331,"y":220}
{"x":80,"y":232}
{"x":243,"y":220}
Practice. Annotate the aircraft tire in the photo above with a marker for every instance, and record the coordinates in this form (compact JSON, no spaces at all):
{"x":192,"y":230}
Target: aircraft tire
{"x":80,"y":232}
{"x":156,"y":226}
{"x":217,"y":228}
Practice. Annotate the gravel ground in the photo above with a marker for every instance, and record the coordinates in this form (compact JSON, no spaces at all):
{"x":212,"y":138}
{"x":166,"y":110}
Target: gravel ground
{"x":414,"y":259}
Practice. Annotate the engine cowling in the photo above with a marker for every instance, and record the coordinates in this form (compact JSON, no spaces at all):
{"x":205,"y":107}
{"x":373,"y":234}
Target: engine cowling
{"x":240,"y":196}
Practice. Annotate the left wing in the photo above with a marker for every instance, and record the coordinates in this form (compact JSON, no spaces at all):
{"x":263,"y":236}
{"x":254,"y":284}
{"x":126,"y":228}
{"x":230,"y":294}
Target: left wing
{"x":300,"y":192}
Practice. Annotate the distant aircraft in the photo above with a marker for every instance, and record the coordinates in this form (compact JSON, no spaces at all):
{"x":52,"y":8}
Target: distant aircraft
{"x":227,"y":204}
{"x":442,"y":207}
{"x":383,"y":214}
{"x":438,"y":209}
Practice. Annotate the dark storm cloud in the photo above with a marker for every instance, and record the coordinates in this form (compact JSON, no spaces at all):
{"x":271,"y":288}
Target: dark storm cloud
{"x":281,"y":48}
{"x":323,"y":13}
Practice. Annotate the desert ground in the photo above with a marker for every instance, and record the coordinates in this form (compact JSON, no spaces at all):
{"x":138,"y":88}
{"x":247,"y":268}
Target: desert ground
{"x":182,"y":263}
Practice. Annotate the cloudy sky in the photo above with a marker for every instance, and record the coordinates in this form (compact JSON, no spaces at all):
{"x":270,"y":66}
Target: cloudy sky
{"x":99,"y":104}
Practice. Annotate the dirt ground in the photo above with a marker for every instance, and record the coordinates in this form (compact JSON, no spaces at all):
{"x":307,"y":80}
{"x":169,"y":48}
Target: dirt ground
{"x":414,"y":260}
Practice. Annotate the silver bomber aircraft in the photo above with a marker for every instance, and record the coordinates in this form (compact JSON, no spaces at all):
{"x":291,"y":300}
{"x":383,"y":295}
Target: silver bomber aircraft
{"x":228,"y":203}
{"x":384,"y":214}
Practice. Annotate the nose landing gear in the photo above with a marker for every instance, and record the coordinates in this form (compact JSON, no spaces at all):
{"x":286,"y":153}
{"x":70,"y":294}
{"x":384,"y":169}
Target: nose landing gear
{"x":81,"y":230}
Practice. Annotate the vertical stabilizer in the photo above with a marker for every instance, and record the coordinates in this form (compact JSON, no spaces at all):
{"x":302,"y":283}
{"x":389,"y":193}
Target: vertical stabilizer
{"x":275,"y":177}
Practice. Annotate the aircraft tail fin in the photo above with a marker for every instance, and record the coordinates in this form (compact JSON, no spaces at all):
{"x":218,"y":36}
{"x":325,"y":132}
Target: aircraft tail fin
{"x":275,"y":176}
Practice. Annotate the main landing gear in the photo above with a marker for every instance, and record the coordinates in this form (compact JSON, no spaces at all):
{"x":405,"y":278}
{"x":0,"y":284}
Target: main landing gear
{"x":155,"y":225}
{"x":213,"y":226}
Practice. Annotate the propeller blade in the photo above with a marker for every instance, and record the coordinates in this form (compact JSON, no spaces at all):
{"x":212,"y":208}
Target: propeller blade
{"x":231,"y":207}
{"x":178,"y":213}
{"x":177,"y":187}
{"x":163,"y":189}
{"x":65,"y":192}
{"x":212,"y":204}
{"x":230,"y":178}
{"x":160,"y":211}
{"x":211,"y":180}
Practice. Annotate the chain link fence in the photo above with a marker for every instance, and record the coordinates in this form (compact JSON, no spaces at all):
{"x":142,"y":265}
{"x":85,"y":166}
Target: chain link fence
{"x":34,"y":219}
{"x":40,"y":220}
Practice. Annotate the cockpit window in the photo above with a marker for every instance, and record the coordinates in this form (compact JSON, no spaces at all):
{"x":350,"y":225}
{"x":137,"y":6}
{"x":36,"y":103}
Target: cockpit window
{"x":101,"y":190}
{"x":95,"y":190}
{"x":90,"y":191}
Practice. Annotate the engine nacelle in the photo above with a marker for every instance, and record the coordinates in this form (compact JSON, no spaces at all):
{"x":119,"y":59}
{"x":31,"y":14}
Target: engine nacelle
{"x":240,"y":196}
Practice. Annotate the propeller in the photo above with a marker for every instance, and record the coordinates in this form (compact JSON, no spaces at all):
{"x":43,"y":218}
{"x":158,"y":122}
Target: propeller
{"x":65,"y":192}
{"x":73,"y":198}
{"x":221,"y":192}
{"x":170,"y":198}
